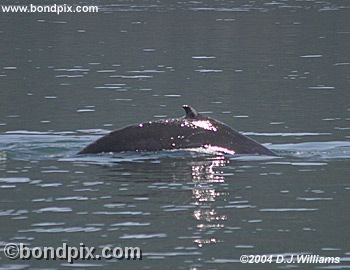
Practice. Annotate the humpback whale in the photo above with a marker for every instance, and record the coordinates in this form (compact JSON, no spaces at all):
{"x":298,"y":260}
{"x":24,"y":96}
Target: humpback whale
{"x":193,"y":130}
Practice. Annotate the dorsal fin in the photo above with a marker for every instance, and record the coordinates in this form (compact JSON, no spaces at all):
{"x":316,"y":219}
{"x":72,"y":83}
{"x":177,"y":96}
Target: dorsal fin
{"x":190,"y":112}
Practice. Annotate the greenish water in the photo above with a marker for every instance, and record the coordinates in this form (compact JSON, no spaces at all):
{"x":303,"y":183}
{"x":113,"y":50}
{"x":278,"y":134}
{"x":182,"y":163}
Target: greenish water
{"x":276,"y":71}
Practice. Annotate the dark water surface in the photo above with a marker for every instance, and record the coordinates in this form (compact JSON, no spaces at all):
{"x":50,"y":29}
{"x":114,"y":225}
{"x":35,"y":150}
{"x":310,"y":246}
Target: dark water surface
{"x":278,"y":71}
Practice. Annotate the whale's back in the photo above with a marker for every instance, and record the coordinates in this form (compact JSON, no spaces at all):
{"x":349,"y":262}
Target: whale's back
{"x":178,"y":133}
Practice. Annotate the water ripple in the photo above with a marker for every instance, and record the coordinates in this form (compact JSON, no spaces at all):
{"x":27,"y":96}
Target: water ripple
{"x":288,"y":209}
{"x":132,"y":213}
{"x":143,"y":236}
{"x":63,"y":230}
{"x":130,"y":224}
{"x":14,"y":180}
{"x":54,"y":209}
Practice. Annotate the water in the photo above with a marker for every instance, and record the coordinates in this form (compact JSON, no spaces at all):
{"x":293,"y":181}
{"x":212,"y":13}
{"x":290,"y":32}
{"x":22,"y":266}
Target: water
{"x":277,"y":71}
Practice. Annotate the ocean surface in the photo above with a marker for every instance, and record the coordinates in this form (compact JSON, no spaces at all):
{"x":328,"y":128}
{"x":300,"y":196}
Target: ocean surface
{"x":277,"y":71}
